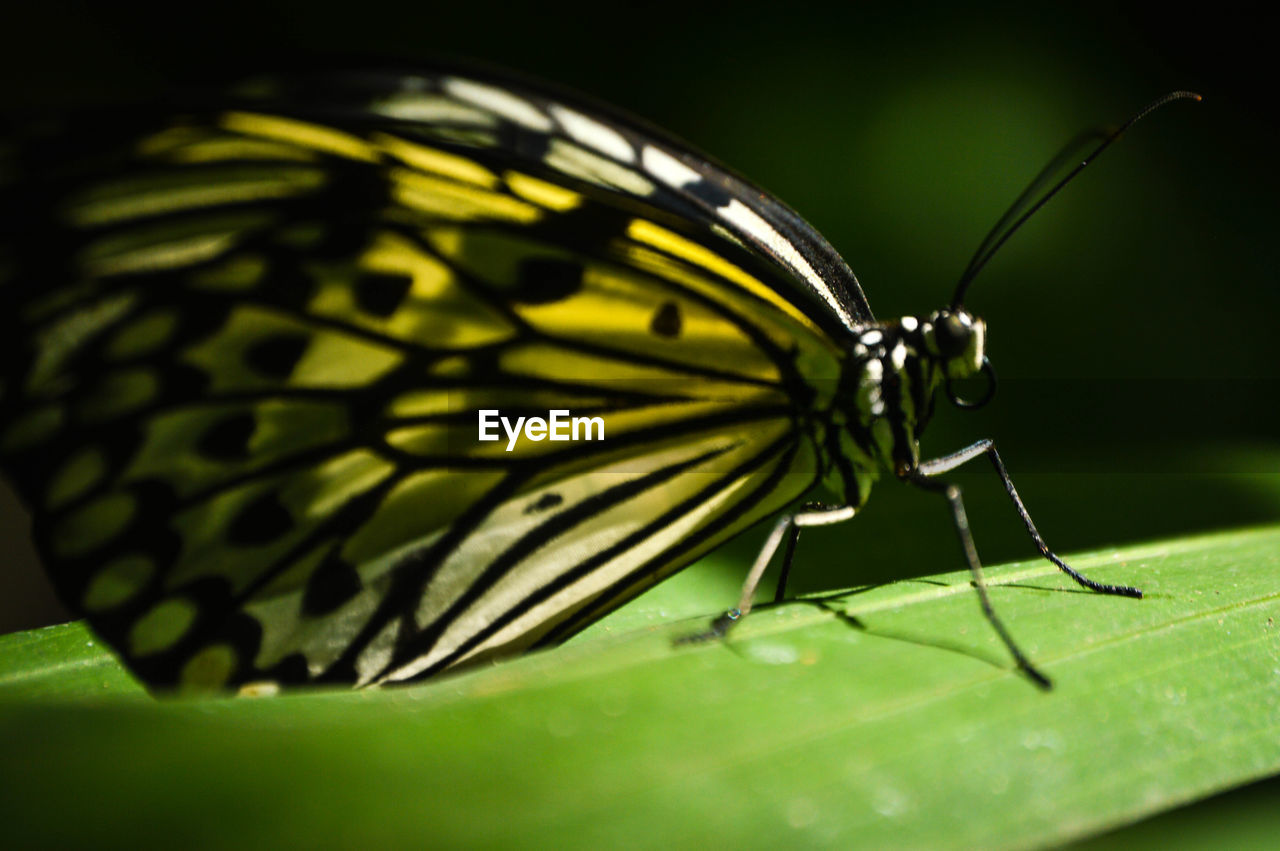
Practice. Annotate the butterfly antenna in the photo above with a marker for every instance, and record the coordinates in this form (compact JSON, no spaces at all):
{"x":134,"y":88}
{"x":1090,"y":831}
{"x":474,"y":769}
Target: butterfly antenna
{"x":1036,"y":196}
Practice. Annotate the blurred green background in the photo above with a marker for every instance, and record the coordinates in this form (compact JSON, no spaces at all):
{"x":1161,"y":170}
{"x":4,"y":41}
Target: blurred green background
{"x":1132,"y":322}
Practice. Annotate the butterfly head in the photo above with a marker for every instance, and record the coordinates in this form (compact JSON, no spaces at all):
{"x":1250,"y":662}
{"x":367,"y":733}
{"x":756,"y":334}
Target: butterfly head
{"x":958,"y":339}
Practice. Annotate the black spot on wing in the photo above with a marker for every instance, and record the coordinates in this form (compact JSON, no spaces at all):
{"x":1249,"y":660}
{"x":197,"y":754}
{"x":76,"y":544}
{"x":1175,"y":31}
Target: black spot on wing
{"x":205,"y":315}
{"x":330,"y":585}
{"x":290,"y":669}
{"x":259,"y":522}
{"x":120,"y":444}
{"x":276,"y":356}
{"x":543,"y":280}
{"x":667,"y":321}
{"x":381,"y":294}
{"x":586,"y":228}
{"x":544,"y":502}
{"x":184,"y":382}
{"x":709,"y":192}
{"x":528,"y":144}
{"x":228,"y":438}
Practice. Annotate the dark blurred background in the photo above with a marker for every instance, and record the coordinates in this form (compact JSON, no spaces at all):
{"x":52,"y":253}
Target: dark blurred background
{"x":1132,"y":322}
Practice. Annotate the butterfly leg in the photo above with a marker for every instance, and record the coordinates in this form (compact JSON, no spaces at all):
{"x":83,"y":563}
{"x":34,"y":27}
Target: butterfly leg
{"x":988,"y":448}
{"x":961,"y":521}
{"x":818,"y":510}
{"x":813,"y":514}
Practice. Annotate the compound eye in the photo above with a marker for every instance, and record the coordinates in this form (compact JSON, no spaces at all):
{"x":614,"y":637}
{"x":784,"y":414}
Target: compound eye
{"x":952,"y":336}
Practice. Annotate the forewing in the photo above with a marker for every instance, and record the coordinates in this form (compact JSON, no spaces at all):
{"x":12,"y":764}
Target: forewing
{"x":579,"y":139}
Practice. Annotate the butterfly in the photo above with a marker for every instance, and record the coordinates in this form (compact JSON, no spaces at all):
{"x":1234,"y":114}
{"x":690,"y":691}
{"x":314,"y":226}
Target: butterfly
{"x":252,"y":342}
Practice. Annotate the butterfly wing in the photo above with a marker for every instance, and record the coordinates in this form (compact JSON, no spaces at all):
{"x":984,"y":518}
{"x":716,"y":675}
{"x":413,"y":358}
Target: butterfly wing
{"x":245,"y":363}
{"x":579,"y":139}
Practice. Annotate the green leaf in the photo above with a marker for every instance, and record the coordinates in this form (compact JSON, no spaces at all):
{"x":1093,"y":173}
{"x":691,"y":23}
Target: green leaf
{"x":880,"y":716}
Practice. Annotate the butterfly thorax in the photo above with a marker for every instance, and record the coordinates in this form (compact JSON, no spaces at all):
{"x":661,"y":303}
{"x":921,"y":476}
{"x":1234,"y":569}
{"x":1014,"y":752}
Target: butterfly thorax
{"x":888,"y":385}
